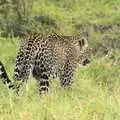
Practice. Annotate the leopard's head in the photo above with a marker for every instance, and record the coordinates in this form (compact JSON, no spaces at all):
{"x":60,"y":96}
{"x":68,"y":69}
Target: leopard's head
{"x":84,"y":51}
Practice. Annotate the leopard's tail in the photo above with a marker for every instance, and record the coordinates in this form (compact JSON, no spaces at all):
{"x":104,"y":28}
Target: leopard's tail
{"x":4,"y":77}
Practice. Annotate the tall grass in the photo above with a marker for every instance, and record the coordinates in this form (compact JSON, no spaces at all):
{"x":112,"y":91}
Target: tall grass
{"x":93,"y":96}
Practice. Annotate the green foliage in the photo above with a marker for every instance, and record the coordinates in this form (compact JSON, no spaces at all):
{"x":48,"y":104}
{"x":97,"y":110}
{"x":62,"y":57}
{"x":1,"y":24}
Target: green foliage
{"x":66,"y":17}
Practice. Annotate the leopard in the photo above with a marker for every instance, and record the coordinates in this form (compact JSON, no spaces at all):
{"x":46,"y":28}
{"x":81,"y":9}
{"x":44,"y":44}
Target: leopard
{"x":45,"y":56}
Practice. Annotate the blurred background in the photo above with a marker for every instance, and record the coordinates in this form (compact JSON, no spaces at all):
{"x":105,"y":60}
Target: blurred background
{"x":99,"y":20}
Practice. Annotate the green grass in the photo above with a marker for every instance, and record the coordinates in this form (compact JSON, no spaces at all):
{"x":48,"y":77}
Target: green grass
{"x":53,"y":15}
{"x":72,"y":14}
{"x":95,"y":94}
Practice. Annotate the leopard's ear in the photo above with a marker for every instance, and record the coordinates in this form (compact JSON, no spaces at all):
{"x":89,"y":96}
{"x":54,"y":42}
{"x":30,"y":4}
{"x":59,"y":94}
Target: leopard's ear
{"x":83,"y":43}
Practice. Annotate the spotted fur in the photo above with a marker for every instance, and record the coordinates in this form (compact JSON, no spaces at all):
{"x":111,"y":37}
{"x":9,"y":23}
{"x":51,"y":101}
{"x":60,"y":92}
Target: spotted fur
{"x":48,"y":56}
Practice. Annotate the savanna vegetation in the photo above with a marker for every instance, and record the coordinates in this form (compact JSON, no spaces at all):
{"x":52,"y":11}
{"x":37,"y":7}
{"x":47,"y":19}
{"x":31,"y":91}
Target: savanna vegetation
{"x":95,"y":94}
